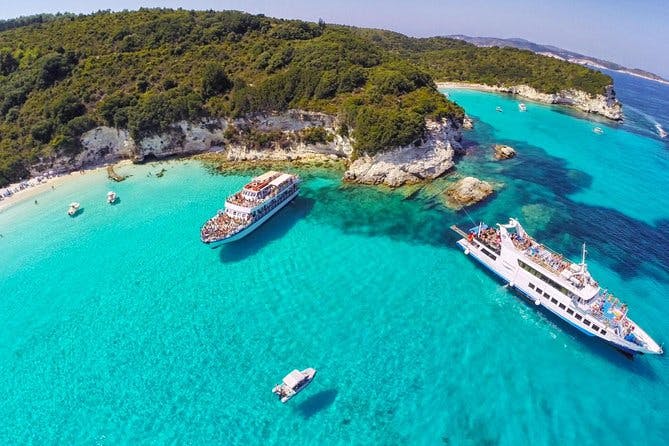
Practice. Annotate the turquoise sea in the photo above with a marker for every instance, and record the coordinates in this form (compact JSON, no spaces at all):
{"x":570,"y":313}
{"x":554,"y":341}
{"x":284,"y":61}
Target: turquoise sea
{"x":120,"y":327}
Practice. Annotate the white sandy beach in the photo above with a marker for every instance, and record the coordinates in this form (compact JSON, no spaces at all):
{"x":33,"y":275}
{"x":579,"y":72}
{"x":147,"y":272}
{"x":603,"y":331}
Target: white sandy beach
{"x":50,"y":183}
{"x":467,"y":85}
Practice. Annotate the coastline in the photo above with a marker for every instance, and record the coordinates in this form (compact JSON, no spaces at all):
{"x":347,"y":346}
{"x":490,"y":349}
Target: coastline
{"x":469,"y":86}
{"x":604,"y":105}
{"x":49,"y":183}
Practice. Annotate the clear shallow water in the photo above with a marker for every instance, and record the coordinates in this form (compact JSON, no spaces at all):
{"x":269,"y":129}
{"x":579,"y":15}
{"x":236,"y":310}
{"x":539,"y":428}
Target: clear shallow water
{"x":120,"y":327}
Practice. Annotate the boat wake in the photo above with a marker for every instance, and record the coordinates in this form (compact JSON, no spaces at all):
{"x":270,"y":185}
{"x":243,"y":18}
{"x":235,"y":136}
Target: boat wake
{"x":657,"y":128}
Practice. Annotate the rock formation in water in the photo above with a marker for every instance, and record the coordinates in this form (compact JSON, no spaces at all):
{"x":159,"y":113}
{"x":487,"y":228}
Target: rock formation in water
{"x":467,"y":191}
{"x":503,"y":152}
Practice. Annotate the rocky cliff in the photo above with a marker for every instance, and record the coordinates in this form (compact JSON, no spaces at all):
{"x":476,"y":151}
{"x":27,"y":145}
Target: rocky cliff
{"x":412,"y":164}
{"x":273,"y":137}
{"x":602,"y":104}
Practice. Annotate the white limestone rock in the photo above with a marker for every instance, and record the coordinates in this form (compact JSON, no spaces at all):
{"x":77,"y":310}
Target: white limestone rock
{"x":503,"y":152}
{"x":468,"y":191}
{"x":410,"y":164}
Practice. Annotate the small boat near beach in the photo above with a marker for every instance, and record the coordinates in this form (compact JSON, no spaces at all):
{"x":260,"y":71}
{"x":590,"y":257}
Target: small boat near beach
{"x":522,"y":107}
{"x":111,"y":197}
{"x":598,"y":130}
{"x":499,"y":109}
{"x":550,"y":280}
{"x":293,"y":383}
{"x":73,"y":209}
{"x":249,"y":208}
{"x":660,"y":131}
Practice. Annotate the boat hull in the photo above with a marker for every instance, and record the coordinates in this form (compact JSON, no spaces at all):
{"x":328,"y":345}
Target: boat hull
{"x":253,"y":226}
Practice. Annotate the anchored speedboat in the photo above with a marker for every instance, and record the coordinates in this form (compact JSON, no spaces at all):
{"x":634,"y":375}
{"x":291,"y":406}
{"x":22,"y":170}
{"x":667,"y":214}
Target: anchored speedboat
{"x":293,"y":383}
{"x":111,"y":197}
{"x":550,"y":280}
{"x":73,"y":209}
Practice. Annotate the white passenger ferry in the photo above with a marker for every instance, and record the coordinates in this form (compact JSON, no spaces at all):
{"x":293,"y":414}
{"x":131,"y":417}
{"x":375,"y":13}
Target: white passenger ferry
{"x":250,"y":207}
{"x":561,"y":286}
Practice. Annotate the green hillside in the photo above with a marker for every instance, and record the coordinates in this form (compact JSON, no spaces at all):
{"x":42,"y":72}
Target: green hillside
{"x":63,"y":75}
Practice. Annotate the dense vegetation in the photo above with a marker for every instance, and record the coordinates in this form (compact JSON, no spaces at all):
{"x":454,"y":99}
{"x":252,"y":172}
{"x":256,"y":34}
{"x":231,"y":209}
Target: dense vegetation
{"x":455,"y":60}
{"x":63,"y":75}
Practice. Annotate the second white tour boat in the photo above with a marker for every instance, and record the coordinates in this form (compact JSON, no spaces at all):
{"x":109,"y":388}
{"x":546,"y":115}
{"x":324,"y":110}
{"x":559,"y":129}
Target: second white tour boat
{"x":562,"y":287}
{"x":249,"y":208}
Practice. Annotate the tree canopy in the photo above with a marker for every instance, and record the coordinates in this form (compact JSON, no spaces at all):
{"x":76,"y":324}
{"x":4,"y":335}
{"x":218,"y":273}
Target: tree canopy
{"x":143,"y":70}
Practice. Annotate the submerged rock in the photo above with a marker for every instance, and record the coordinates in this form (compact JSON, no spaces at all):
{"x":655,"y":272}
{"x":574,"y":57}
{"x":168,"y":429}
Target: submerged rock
{"x":503,"y":152}
{"x":467,"y":191}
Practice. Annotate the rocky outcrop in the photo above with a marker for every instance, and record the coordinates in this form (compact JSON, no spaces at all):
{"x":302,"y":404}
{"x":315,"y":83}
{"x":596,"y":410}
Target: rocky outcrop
{"x":602,"y":104}
{"x":467,"y":191}
{"x":410,"y":164}
{"x":503,"y":152}
{"x":467,"y":123}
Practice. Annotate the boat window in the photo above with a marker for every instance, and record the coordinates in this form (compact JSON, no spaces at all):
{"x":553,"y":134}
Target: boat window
{"x":554,"y":300}
{"x":562,"y":306}
{"x":587,"y":322}
{"x":546,"y":295}
{"x":489,"y":254}
{"x":578,"y":316}
{"x":539,"y":290}
{"x":532,"y":285}
{"x":570,"y":311}
{"x":603,"y":332}
{"x":595,"y":327}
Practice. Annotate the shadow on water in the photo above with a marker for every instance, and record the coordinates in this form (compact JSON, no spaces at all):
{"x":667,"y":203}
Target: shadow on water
{"x":116,"y":202}
{"x":316,"y":403}
{"x":273,"y":229}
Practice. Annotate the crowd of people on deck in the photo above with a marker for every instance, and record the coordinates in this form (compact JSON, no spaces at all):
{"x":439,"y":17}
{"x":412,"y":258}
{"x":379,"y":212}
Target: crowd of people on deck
{"x":606,"y":310}
{"x":540,"y":255}
{"x":241,"y":200}
{"x":490,"y":237}
{"x":223,"y":225}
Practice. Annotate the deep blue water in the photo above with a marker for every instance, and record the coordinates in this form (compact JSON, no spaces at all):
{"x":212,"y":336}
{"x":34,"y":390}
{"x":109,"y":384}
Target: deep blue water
{"x":120,"y":327}
{"x":646,"y":103}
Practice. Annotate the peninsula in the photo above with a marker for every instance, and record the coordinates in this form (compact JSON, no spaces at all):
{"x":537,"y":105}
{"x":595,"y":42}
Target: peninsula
{"x":81,"y":91}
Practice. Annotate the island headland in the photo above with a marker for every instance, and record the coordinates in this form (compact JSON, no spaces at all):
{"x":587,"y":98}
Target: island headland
{"x":78,"y":92}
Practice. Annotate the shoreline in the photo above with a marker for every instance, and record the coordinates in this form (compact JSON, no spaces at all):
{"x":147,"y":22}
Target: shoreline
{"x":52,"y":182}
{"x":574,"y":99}
{"x":211,"y":160}
{"x":469,"y":86}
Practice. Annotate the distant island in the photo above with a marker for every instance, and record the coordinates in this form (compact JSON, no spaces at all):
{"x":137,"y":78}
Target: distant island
{"x":559,"y":53}
{"x":77,"y":91}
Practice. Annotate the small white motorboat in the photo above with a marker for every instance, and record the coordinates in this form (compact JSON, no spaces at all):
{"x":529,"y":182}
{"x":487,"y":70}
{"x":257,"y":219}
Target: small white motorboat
{"x":499,"y":109}
{"x":522,"y":107}
{"x":111,"y":197}
{"x":73,"y":209}
{"x":293,"y":383}
{"x":598,"y":130}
